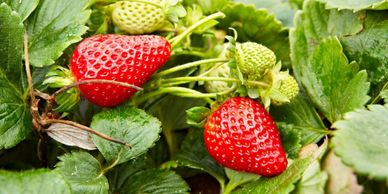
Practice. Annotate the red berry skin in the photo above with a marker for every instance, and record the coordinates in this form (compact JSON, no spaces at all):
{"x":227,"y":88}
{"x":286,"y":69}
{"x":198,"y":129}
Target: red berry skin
{"x":241,"y":135}
{"x":130,"y":59}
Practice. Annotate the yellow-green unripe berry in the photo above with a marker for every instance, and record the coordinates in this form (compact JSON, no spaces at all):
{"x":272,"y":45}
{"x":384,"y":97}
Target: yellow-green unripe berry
{"x":219,"y":86}
{"x":254,"y":59}
{"x":139,"y":17}
{"x":289,"y":88}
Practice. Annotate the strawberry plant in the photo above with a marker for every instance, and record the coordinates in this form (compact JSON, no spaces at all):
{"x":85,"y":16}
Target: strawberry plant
{"x":193,"y":96}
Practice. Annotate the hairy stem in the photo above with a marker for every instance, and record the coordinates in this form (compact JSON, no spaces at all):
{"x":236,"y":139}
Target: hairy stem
{"x":182,"y":80}
{"x":176,"y":40}
{"x":85,"y":128}
{"x":190,"y":65}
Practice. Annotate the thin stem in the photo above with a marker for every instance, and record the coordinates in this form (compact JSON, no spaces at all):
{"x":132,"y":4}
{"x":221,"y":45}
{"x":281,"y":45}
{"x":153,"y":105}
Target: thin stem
{"x":176,"y":40}
{"x":190,"y":65}
{"x":378,"y":97}
{"x":85,"y":128}
{"x":185,"y":92}
{"x":28,"y":68}
{"x":211,"y":69}
{"x":182,"y":80}
{"x":105,"y":81}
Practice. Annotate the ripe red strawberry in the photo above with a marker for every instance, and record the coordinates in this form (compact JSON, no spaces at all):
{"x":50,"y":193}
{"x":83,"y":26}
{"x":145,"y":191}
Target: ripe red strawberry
{"x":241,"y":135}
{"x":130,"y":59}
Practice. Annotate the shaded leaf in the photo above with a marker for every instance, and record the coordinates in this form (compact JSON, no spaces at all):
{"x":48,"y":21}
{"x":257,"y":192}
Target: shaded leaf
{"x":193,"y":154}
{"x":291,"y":139}
{"x":53,"y":26}
{"x":360,"y":140}
{"x":300,"y":115}
{"x":128,"y":124}
{"x":257,"y":25}
{"x":15,"y":116}
{"x":162,"y":181}
{"x":11,"y":41}
{"x":33,"y":182}
{"x":71,"y":136}
{"x":24,"y":8}
{"x":356,"y":5}
{"x":83,"y":172}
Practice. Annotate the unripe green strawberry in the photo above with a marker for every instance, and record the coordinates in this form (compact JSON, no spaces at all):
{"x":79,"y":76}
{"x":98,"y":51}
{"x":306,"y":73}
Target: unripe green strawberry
{"x":254,"y":59}
{"x":139,"y":17}
{"x":288,"y":87}
{"x":219,"y":86}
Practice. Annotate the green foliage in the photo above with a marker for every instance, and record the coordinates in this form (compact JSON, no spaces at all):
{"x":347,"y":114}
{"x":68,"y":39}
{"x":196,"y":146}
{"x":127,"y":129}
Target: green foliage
{"x":300,"y":115}
{"x":282,"y":9}
{"x":54,"y":26}
{"x":360,"y":140}
{"x":162,"y":181}
{"x":128,"y":124}
{"x":193,"y":154}
{"x":237,"y":178}
{"x":335,"y":86}
{"x":24,"y":8}
{"x":15,"y":117}
{"x":11,"y":33}
{"x":83,"y":173}
{"x":356,"y":5}
{"x":263,"y":28}
{"x":291,"y":139}
{"x":369,"y":48}
{"x":33,"y":182}
{"x":282,"y":184}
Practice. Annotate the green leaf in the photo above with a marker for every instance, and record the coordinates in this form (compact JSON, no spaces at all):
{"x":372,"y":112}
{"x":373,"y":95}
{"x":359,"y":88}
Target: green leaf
{"x":197,"y":116}
{"x":257,"y":25}
{"x":211,"y":6}
{"x":83,"y":172}
{"x":356,"y":5}
{"x":384,"y":95}
{"x":333,"y":85}
{"x":291,"y":139}
{"x":281,"y":184}
{"x":15,"y":117}
{"x":24,"y":8}
{"x":193,"y":154}
{"x":238,"y":178}
{"x":283,"y":10}
{"x":176,"y":106}
{"x":128,"y":124}
{"x":33,"y":182}
{"x":369,"y":48}
{"x":345,"y":22}
{"x":155,"y":181}
{"x":313,"y":180}
{"x":360,"y":140}
{"x":54,"y":26}
{"x":300,"y":115}
{"x":11,"y":41}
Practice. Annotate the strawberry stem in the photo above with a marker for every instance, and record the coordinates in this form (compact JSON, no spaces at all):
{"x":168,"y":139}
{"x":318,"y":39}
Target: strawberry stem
{"x":182,"y":92}
{"x":190,"y":65}
{"x":176,"y":40}
{"x":183,"y":80}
